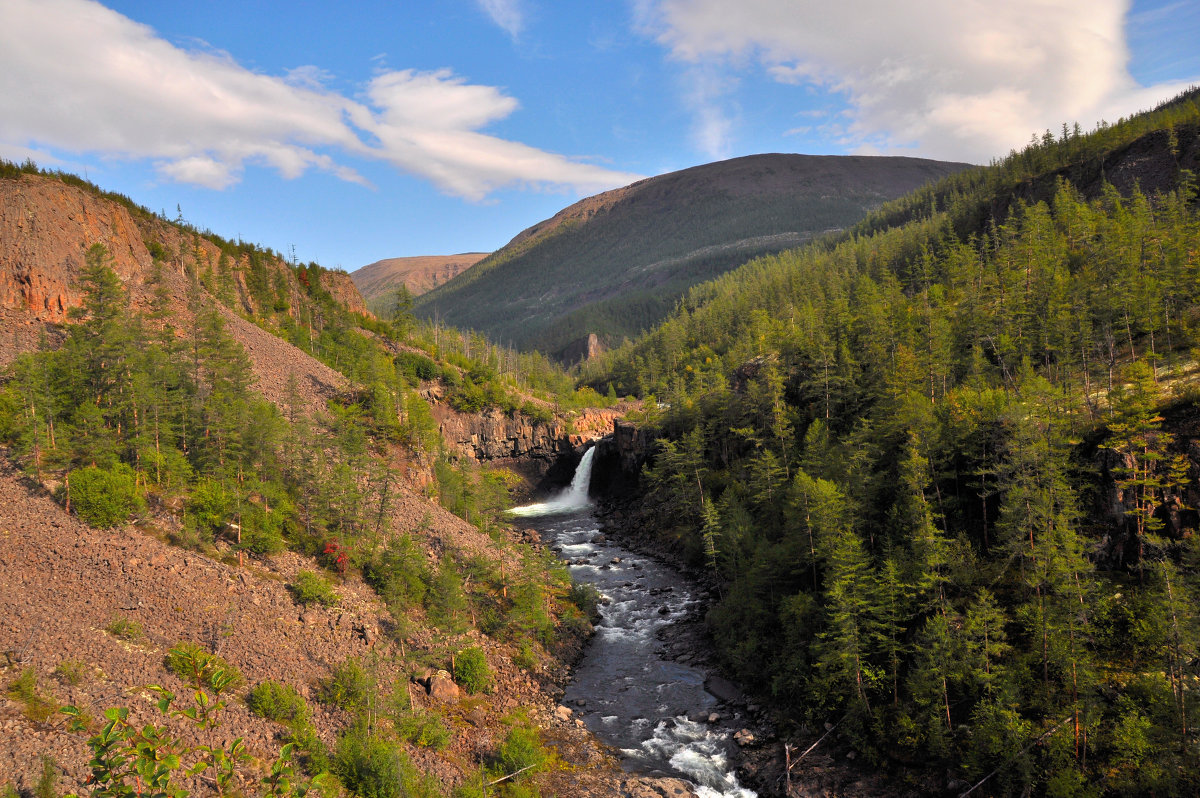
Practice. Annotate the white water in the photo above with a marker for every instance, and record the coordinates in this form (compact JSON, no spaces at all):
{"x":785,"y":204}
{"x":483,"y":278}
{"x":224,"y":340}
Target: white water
{"x":571,"y":500}
{"x":626,"y":689}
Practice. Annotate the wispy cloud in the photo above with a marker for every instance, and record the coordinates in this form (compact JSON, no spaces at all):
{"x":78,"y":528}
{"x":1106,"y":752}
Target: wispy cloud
{"x":708,"y":94}
{"x":77,"y":77}
{"x":963,"y":79}
{"x":507,"y":14}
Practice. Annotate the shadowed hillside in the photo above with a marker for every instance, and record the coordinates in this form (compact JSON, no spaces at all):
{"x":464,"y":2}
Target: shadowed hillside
{"x":616,"y":263}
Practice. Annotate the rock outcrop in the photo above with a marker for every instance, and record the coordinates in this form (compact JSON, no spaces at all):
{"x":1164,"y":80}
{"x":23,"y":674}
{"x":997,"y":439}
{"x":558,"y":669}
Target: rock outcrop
{"x":619,"y":459}
{"x":581,"y":350}
{"x":543,"y":453}
{"x":48,"y":225}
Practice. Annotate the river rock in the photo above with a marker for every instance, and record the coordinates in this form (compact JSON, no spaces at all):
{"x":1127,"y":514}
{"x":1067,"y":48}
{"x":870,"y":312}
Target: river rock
{"x":562,"y":713}
{"x":722,"y":689}
{"x":743,"y":737}
{"x":656,"y":788}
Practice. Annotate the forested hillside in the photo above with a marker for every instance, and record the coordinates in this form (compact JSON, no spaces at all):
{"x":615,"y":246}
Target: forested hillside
{"x":325,"y":620}
{"x":943,"y":467}
{"x":615,"y":264}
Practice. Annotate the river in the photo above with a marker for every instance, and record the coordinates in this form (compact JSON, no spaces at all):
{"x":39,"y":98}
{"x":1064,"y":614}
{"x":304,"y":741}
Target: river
{"x":630,"y":695}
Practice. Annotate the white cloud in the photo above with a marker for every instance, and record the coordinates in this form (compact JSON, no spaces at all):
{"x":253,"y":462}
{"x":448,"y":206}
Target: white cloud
{"x":959,"y":79}
{"x":507,"y":14}
{"x":707,"y":94}
{"x":78,"y":77}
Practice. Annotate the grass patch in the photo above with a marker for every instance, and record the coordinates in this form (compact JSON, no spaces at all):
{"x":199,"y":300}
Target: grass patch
{"x":126,"y":629}
{"x":24,"y":689}
{"x":72,"y":672}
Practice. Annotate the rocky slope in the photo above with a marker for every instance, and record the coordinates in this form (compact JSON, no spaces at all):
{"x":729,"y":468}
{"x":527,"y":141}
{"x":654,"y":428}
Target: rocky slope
{"x":47,"y":226}
{"x":62,"y":583}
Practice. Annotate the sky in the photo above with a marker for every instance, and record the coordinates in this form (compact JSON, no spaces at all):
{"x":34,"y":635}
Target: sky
{"x":351,"y":132}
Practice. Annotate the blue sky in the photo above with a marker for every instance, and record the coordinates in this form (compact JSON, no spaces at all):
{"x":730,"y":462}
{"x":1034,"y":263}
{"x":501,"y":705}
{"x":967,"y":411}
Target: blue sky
{"x":358,"y":131}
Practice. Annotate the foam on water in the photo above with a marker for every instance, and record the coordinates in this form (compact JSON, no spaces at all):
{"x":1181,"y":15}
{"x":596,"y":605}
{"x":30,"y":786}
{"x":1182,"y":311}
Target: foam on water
{"x":571,"y":500}
{"x":629,"y":692}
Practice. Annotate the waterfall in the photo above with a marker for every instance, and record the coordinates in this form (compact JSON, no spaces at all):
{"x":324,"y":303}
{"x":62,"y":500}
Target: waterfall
{"x":571,"y":500}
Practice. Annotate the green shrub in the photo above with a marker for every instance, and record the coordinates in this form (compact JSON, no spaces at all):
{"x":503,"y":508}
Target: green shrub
{"x":471,"y":670}
{"x":199,"y":668}
{"x":399,"y":573}
{"x":586,"y":597}
{"x":209,"y":506}
{"x":446,"y":602}
{"x":104,"y":498}
{"x":72,"y":671}
{"x":311,"y":588}
{"x":528,"y":615}
{"x":374,"y":768}
{"x":125,"y":628}
{"x":522,"y":748}
{"x":311,"y":748}
{"x":278,"y":702}
{"x":416,"y":367}
{"x":24,"y":689}
{"x":526,"y":657}
{"x":426,"y":729}
{"x":537,"y":413}
{"x":262,"y":532}
{"x":348,"y":687}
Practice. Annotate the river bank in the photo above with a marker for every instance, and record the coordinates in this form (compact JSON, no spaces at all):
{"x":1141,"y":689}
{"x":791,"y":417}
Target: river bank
{"x":833,"y":767}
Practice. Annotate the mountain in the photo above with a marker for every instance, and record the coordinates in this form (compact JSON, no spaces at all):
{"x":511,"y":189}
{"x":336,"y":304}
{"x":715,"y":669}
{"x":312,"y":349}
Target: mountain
{"x":615,"y":263}
{"x":379,"y":280}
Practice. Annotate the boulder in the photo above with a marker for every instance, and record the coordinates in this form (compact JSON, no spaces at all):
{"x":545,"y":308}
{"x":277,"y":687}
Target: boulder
{"x":743,"y":737}
{"x":443,"y":688}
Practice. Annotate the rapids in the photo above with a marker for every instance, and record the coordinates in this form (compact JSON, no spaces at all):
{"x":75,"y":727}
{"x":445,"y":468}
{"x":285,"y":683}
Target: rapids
{"x":625,"y":689}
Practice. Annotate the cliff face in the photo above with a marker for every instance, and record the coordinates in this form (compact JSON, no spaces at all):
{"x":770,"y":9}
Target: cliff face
{"x":47,"y":227}
{"x":543,"y":454}
{"x":617,"y":469}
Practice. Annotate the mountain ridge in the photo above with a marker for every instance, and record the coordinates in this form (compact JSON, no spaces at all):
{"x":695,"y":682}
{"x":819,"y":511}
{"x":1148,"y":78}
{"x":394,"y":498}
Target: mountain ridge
{"x":420,"y":273}
{"x":653,"y":239}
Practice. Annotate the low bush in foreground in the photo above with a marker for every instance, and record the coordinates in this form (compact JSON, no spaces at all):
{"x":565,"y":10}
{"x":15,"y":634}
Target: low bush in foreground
{"x":199,"y":668}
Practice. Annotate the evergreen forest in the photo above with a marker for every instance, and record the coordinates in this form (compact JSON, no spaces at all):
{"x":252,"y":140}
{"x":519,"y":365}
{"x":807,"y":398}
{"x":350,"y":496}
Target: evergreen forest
{"x":934,"y":467}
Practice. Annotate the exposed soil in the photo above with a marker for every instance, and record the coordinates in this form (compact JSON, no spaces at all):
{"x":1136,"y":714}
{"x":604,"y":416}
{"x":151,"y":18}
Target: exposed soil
{"x":62,"y":583}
